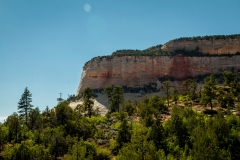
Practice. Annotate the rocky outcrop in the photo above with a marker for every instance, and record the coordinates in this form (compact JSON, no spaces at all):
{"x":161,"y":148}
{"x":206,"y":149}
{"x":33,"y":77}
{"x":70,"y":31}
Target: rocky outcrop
{"x":226,"y":45}
{"x":134,"y":71}
{"x":176,"y":60}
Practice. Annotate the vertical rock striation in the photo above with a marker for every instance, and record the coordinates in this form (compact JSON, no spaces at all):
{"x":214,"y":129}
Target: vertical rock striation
{"x":135,"y":71}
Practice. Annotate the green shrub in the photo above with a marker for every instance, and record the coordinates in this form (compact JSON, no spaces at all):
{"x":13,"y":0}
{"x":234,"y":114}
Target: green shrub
{"x":96,"y":120}
{"x":103,"y":154}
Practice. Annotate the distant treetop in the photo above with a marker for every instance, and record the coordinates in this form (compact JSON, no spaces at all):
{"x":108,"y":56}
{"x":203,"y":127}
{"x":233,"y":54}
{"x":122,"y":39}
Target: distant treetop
{"x":208,"y":37}
{"x":157,"y":51}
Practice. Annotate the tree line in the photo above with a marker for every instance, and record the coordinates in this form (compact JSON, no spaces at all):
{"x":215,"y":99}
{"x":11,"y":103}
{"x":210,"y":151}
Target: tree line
{"x":156,"y":127}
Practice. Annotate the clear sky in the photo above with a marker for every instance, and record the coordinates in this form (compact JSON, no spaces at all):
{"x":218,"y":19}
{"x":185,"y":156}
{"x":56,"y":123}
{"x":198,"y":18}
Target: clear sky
{"x":45,"y":43}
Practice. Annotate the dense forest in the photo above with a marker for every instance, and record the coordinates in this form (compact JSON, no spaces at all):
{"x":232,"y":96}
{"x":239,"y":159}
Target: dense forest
{"x":158,"y":127}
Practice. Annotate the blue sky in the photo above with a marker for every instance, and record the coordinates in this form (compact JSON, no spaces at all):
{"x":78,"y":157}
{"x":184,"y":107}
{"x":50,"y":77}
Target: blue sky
{"x":44,"y":44}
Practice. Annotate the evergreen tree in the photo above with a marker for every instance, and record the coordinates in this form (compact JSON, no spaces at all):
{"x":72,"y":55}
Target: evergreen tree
{"x":157,"y":135}
{"x":13,"y":124}
{"x":157,"y":103}
{"x":124,"y":134}
{"x":63,"y":113}
{"x":176,"y":129}
{"x":128,"y":107}
{"x":229,"y":78}
{"x":193,"y":90}
{"x":208,"y":92}
{"x":34,"y":119}
{"x":139,"y":148}
{"x":24,"y":104}
{"x":115,"y":97}
{"x":58,"y":143}
{"x":175,"y":95}
{"x":146,"y":111}
{"x":3,"y":136}
{"x":88,"y":101}
{"x":167,"y":90}
{"x":109,"y":93}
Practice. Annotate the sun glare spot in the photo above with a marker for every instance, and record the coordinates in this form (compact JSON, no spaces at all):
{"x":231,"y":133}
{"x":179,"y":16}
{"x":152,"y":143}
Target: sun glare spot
{"x":87,"y":7}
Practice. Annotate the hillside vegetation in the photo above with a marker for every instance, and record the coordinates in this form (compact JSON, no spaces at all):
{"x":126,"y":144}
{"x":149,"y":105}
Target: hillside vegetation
{"x":196,"y":124}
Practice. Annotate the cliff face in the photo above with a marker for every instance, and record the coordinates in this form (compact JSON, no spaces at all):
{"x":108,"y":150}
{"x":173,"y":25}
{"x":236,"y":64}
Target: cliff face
{"x":212,"y":46}
{"x":139,"y":70}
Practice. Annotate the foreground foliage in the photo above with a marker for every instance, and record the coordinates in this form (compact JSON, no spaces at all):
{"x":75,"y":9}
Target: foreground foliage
{"x":131,"y":130}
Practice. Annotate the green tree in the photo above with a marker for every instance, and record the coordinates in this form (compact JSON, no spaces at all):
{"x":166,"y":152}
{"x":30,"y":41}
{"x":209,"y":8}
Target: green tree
{"x":13,"y":124}
{"x":175,"y":128}
{"x":150,"y":108}
{"x":108,"y":90}
{"x":175,"y":95}
{"x":208,"y":92}
{"x":186,"y":84}
{"x":24,"y":104}
{"x":193,"y":90}
{"x":190,"y":88}
{"x":157,"y":103}
{"x":88,"y":101}
{"x":49,"y":118}
{"x":229,"y":78}
{"x":3,"y":136}
{"x":230,"y":90}
{"x":139,"y":148}
{"x":82,"y":150}
{"x":167,"y":90}
{"x":35,"y":120}
{"x":146,"y":112}
{"x":157,"y":135}
{"x":63,"y":113}
{"x":115,"y":97}
{"x":128,"y":107}
{"x":225,"y":99}
{"x":211,"y":139}
{"x":57,"y":142}
{"x":26,"y":150}
{"x":124,"y":134}
{"x":23,"y":152}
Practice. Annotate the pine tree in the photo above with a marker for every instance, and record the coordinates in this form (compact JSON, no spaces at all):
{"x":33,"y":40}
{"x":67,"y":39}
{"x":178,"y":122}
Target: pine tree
{"x":88,"y":101}
{"x":167,"y":90}
{"x":175,"y":95}
{"x":124,"y":134}
{"x":24,"y":104}
{"x":208,"y":92}
{"x":118,"y":97}
{"x":115,"y":97}
{"x":157,"y":135}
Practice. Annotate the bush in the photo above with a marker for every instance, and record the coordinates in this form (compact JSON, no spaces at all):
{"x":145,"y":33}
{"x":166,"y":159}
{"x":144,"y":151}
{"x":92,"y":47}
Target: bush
{"x":90,"y":148}
{"x":96,"y":120}
{"x":103,"y":154}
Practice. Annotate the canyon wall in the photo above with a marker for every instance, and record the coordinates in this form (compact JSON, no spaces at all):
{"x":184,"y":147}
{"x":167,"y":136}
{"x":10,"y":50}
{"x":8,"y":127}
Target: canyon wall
{"x":135,"y":71}
{"x":212,"y":46}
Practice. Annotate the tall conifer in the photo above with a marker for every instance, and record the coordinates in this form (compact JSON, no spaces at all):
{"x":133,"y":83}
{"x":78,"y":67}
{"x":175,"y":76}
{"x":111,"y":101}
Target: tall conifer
{"x":24,"y":104}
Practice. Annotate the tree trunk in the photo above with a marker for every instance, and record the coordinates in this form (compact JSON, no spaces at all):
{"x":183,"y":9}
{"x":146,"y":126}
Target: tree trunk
{"x":211,"y":104}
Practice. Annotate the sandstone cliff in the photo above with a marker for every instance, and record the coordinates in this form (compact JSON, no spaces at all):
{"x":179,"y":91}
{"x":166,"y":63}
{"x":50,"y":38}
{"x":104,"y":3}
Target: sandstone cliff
{"x":225,"y":45}
{"x":139,"y":70}
{"x":134,"y":68}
